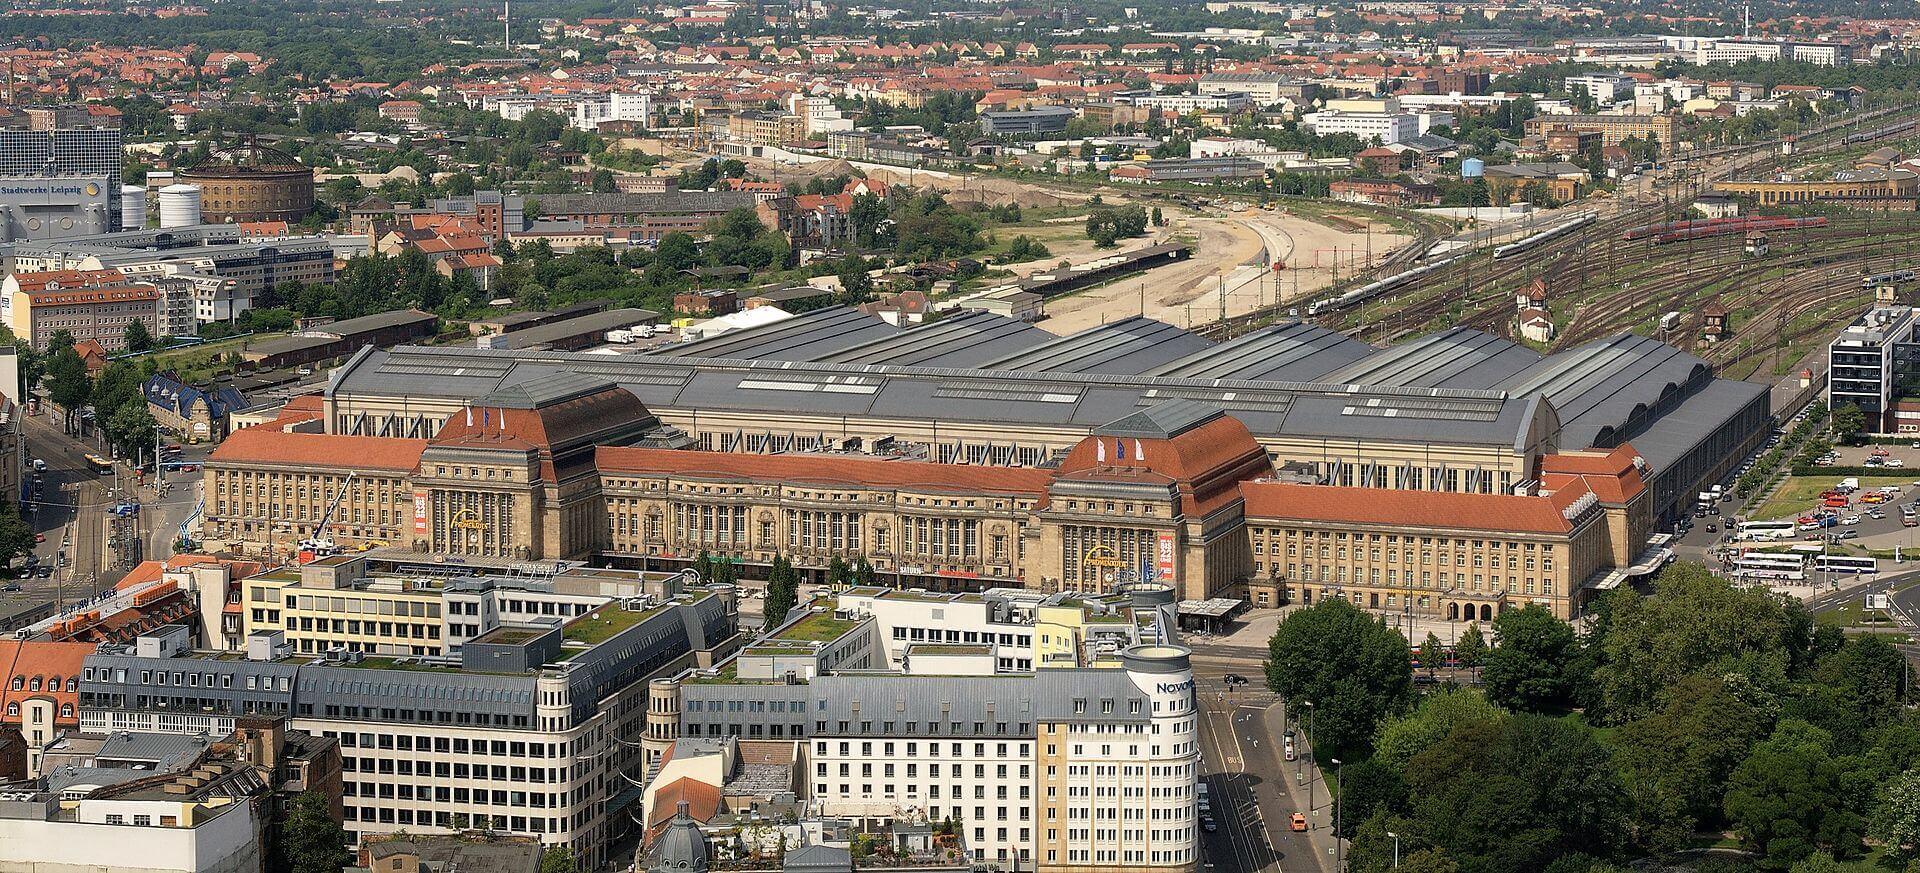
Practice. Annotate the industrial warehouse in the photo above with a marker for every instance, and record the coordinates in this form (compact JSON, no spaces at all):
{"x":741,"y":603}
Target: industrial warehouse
{"x":978,"y":451}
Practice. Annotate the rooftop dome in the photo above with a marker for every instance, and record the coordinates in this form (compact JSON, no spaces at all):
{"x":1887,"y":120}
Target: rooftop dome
{"x":681,"y":848}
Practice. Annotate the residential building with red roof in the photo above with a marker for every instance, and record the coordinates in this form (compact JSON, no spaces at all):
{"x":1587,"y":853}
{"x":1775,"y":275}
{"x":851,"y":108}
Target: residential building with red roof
{"x":39,"y":698}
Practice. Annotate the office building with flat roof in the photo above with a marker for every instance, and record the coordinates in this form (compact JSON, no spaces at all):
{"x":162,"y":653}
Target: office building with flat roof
{"x":523,"y":728}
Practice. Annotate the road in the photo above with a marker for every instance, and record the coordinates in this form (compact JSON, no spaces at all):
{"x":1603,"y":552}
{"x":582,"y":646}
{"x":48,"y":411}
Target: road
{"x":1254,"y":792}
{"x":88,"y":547}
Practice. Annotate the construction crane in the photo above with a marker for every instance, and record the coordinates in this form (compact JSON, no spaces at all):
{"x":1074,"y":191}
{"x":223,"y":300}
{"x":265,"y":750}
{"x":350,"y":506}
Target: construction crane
{"x":319,"y":545}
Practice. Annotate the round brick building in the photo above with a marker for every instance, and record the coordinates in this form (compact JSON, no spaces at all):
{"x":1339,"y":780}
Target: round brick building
{"x":251,"y":183}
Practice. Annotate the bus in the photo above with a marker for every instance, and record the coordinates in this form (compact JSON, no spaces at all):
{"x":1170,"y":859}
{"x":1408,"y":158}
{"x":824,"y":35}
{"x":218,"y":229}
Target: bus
{"x":1769,"y":566}
{"x":1846,"y":564}
{"x":1767,"y":530}
{"x":100,"y":465}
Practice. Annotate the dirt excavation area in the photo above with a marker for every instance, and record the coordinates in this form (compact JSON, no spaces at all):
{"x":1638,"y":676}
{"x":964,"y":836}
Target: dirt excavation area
{"x":1230,"y":272}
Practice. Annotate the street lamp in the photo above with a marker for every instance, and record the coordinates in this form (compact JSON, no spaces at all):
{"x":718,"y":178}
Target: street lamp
{"x":1396,"y":848}
{"x":1298,"y":764}
{"x":1337,"y":789}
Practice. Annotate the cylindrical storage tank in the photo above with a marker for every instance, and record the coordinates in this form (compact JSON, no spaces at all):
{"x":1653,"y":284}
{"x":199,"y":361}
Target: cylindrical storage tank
{"x":133,"y":207}
{"x":1472,"y":168}
{"x":180,"y":206}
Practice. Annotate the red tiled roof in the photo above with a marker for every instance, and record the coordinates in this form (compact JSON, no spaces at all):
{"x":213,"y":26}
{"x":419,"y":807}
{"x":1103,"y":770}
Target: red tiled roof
{"x":1612,"y":476}
{"x":68,"y":279}
{"x":1405,"y":509}
{"x":702,"y":799}
{"x":50,"y":662}
{"x":280,"y":448}
{"x":1205,"y":462}
{"x":825,"y":470}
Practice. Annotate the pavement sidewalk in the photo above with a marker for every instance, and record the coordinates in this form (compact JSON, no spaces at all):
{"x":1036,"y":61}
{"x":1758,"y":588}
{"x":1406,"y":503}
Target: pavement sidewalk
{"x":1303,"y":785}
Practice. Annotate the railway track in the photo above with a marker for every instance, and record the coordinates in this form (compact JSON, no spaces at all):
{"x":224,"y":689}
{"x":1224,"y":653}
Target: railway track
{"x":1486,"y":286}
{"x":1812,"y":255}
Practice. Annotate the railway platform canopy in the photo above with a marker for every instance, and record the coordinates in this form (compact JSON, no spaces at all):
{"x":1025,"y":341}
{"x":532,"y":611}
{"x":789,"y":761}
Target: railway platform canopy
{"x":1459,"y":410}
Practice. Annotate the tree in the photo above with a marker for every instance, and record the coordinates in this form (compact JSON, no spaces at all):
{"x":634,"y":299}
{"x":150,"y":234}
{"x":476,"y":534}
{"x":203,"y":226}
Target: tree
{"x":130,"y":427}
{"x":311,"y":840}
{"x":1431,"y":653}
{"x":67,"y":383}
{"x":1789,"y":798}
{"x":856,"y":286}
{"x":1675,"y":763}
{"x":16,"y":537}
{"x":139,"y":339}
{"x":1471,"y":649}
{"x":1369,"y":788}
{"x":558,"y":859}
{"x":1848,"y":422}
{"x":783,"y":592}
{"x":1533,"y":659}
{"x":1513,"y":794}
{"x":865,"y":216}
{"x":1897,"y":822}
{"x":1438,"y":715}
{"x":1694,"y":622}
{"x":1859,"y":686}
{"x":1353,"y":669}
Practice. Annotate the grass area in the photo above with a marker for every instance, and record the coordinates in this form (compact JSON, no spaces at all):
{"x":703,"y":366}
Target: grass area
{"x":600,"y":625}
{"x":1799,"y":494}
{"x":819,"y":627}
{"x":777,"y":651}
{"x":726,"y":674}
{"x":204,"y":361}
{"x":1854,"y":614}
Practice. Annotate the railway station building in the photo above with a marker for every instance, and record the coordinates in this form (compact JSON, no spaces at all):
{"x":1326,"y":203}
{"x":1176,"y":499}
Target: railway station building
{"x":980,"y":451}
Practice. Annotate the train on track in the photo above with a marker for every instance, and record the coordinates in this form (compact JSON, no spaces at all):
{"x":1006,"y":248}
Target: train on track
{"x":1677,"y":231}
{"x":1381,"y":286}
{"x":1551,"y":233}
{"x":1894,"y":129}
{"x":1897,"y":276}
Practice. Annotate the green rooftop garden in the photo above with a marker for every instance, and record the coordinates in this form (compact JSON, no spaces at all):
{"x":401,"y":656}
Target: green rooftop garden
{"x":818,"y":627}
{"x":602,"y":624}
{"x":924,"y":649}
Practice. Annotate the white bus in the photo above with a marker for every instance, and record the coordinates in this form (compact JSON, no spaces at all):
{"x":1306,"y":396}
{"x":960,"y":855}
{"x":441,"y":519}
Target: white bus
{"x":1846,"y":564}
{"x":1765,"y":565}
{"x":1767,"y":530}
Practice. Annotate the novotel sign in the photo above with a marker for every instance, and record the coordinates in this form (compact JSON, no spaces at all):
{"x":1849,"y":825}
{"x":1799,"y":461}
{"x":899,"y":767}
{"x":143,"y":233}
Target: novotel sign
{"x":1173,"y":687}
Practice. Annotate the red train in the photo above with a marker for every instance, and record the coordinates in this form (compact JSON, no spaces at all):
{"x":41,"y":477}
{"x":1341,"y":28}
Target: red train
{"x":1673,"y":231}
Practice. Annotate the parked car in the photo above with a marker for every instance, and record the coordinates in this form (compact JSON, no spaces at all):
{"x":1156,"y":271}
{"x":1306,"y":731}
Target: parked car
{"x":1298,"y":822}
